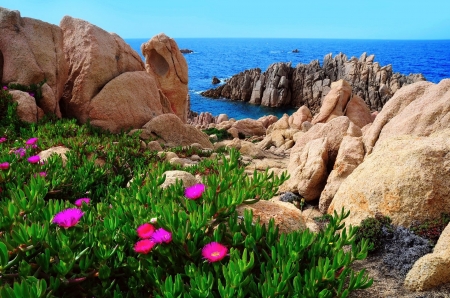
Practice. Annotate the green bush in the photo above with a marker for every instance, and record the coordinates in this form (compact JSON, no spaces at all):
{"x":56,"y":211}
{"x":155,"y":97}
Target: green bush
{"x":221,"y":134}
{"x":205,"y":249}
{"x":371,"y":229}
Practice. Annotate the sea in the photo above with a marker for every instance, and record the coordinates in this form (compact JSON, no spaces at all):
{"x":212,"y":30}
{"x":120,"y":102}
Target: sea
{"x":225,"y":57}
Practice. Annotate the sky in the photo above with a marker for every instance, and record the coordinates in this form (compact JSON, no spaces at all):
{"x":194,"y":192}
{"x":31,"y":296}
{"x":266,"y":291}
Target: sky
{"x":344,"y":19}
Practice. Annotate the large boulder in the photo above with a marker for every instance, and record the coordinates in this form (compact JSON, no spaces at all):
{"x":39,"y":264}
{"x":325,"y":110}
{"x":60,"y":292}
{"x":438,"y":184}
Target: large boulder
{"x":301,"y":115}
{"x":358,"y":112}
{"x":95,"y":57}
{"x":117,"y":108}
{"x":404,"y":178}
{"x":432,"y":269}
{"x":171,"y":130}
{"x":165,"y":62}
{"x":250,"y":127}
{"x":334,"y":103}
{"x":27,"y":110}
{"x":31,"y":51}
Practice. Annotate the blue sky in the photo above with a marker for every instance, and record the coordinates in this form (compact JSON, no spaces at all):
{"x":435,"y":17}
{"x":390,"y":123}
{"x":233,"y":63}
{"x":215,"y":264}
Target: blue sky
{"x":351,"y":19}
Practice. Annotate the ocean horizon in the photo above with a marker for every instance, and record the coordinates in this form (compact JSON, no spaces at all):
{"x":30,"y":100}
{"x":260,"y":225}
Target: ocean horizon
{"x":225,"y":57}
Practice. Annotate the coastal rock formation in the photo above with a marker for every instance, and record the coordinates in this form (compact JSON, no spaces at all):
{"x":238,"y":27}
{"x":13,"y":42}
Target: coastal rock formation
{"x":31,"y":51}
{"x":307,"y":84}
{"x":165,"y":62}
{"x":95,"y":57}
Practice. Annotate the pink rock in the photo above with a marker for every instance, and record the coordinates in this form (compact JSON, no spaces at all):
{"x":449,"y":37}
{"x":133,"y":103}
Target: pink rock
{"x":27,"y":110}
{"x":250,"y":127}
{"x":166,"y":63}
{"x":301,"y":115}
{"x":334,"y":103}
{"x":95,"y":58}
{"x":33,"y":51}
{"x":358,"y":112}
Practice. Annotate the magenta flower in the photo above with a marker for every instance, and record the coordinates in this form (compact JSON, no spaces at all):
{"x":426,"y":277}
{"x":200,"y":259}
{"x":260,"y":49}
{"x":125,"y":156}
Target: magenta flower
{"x":214,"y":252}
{"x":161,"y":235}
{"x":31,"y":141}
{"x":68,"y":218}
{"x":144,"y":246}
{"x":4,"y":165}
{"x":34,"y":159}
{"x":5,"y":88}
{"x":194,"y":192}
{"x":145,"y":231}
{"x":31,"y":94}
{"x":80,"y":202}
{"x":43,"y":174}
{"x":21,"y":152}
{"x":2,"y":139}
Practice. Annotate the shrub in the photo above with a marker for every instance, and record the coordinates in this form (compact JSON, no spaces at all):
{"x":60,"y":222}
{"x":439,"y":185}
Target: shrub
{"x":431,"y":229}
{"x":221,"y":134}
{"x":371,"y":229}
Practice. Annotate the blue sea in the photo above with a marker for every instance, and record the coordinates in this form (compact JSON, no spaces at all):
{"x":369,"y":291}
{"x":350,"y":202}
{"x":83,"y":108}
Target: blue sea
{"x":224,"y":57}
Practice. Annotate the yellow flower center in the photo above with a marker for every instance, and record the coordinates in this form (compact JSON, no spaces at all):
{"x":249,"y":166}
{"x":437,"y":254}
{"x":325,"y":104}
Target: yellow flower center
{"x":215,"y":254}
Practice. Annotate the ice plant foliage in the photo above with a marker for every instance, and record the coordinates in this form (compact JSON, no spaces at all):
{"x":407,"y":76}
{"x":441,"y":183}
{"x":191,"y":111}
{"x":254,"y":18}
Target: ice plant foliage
{"x":161,"y":235}
{"x":34,"y":159}
{"x":144,"y":246}
{"x":4,"y":165}
{"x":145,"y":231}
{"x":68,"y":218}
{"x":194,"y":192}
{"x":80,"y":202}
{"x":214,"y":251}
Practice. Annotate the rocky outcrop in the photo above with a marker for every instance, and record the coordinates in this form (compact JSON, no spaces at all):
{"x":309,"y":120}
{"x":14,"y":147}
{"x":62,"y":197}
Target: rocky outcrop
{"x":95,"y":57}
{"x":31,"y":51}
{"x":165,"y":62}
{"x":27,"y":110}
{"x":307,"y":84}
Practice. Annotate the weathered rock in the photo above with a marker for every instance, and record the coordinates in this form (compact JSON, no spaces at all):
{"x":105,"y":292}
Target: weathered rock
{"x":164,"y":61}
{"x":221,"y":118}
{"x":299,"y":117}
{"x":308,"y":84}
{"x":350,"y":155}
{"x":249,"y":127}
{"x":408,"y":181}
{"x":358,"y":112}
{"x":154,"y":146}
{"x":95,"y":57}
{"x":27,"y":110}
{"x":268,"y":120}
{"x":31,"y":51}
{"x":432,"y":269}
{"x":172,"y":176}
{"x":59,"y":150}
{"x":172,"y":130}
{"x":116,"y":108}
{"x":335,"y":103}
{"x":215,"y":81}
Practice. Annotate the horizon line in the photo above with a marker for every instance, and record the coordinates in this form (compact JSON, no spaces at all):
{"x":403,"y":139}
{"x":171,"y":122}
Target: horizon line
{"x":335,"y":38}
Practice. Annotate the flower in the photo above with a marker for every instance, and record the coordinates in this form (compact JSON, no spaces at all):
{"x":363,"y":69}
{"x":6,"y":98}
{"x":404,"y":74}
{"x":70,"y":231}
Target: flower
{"x":194,"y":192}
{"x":31,"y":94}
{"x":214,"y":251}
{"x":34,"y":159}
{"x":144,"y":246}
{"x":21,"y":152}
{"x":4,"y":165}
{"x":80,"y":202}
{"x":145,"y":231}
{"x":2,"y":139}
{"x":68,"y":218}
{"x":5,"y":88}
{"x":153,"y":220}
{"x":31,"y":141}
{"x":161,"y":235}
{"x":43,"y":174}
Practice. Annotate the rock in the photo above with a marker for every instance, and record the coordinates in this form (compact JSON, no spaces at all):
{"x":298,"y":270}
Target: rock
{"x":302,"y":115}
{"x":308,"y":84}
{"x":213,"y":138}
{"x":154,"y":146}
{"x":358,"y":112}
{"x":407,"y":177}
{"x":432,"y":269}
{"x":250,"y":149}
{"x":116,"y":108}
{"x":266,"y":121}
{"x":249,"y":127}
{"x":215,"y":81}
{"x":32,"y":51}
{"x":171,"y":129}
{"x":27,"y":110}
{"x":350,"y":155}
{"x":286,"y":215}
{"x":186,"y":51}
{"x":335,"y":103}
{"x":289,"y":197}
{"x":221,"y":118}
{"x":167,"y":155}
{"x":167,"y":65}
{"x":95,"y":57}
{"x":172,"y":176}
{"x":281,"y":124}
{"x":59,"y":150}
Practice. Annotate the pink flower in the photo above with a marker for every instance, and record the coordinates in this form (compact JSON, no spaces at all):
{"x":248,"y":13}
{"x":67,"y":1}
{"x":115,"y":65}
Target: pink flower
{"x":145,"y":231}
{"x":32,"y":141}
{"x":31,"y":94}
{"x":34,"y":159}
{"x":43,"y":174}
{"x":68,"y":218}
{"x":194,"y":192}
{"x":80,"y":202}
{"x":5,"y":88}
{"x":144,"y":246}
{"x":21,"y":152}
{"x":4,"y":165}
{"x":161,"y":235}
{"x":3,"y":139}
{"x":214,"y":252}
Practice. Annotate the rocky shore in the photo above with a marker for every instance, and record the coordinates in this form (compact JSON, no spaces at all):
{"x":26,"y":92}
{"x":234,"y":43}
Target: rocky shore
{"x":282,"y":85}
